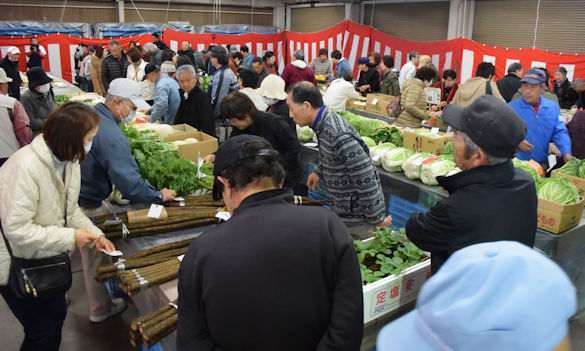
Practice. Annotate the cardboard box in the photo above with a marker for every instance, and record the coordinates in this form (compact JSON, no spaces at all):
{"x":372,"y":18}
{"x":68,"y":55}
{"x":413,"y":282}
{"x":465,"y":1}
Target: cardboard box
{"x":377,"y":103}
{"x":206,"y":145}
{"x":579,"y":182}
{"x":556,"y":218}
{"x":421,"y":143}
{"x":356,"y":104}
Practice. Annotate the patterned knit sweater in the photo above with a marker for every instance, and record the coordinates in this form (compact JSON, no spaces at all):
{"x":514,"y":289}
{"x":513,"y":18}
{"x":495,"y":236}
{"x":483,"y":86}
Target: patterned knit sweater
{"x":347,"y":171}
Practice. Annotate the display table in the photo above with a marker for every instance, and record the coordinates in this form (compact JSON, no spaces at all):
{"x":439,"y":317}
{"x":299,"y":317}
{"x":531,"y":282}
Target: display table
{"x":567,"y":248}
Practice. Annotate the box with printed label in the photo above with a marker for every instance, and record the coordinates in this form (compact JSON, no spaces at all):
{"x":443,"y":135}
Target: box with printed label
{"x":579,"y":182}
{"x":377,"y":103}
{"x":423,"y":143}
{"x":557,"y":218}
{"x":205,"y":145}
{"x":356,"y":104}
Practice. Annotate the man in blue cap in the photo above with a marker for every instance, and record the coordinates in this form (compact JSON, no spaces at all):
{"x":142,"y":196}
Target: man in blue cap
{"x":542,"y":120}
{"x":369,"y":79}
{"x":491,"y":296}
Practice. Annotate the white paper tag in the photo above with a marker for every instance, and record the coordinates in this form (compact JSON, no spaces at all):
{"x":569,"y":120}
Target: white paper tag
{"x":178,"y":198}
{"x":377,"y":156}
{"x":448,"y":129}
{"x":180,"y":258}
{"x":552,"y":161}
{"x":310,"y":144}
{"x":435,"y":130}
{"x":374,"y":101}
{"x":116,"y":253}
{"x":155,"y":211}
{"x":418,"y":161}
{"x":224,"y":215}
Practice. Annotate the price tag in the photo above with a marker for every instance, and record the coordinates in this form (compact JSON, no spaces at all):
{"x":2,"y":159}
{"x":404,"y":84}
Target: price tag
{"x":429,"y":160}
{"x":310,"y":144}
{"x":435,"y":130}
{"x":552,"y":161}
{"x":178,"y":198}
{"x":155,"y":211}
{"x":180,"y":258}
{"x":374,"y":101}
{"x":223,"y":215}
{"x":377,"y":156}
{"x":448,"y":129}
{"x":116,"y":253}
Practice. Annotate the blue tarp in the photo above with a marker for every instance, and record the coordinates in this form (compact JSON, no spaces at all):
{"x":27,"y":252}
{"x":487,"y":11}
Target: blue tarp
{"x":5,"y":31}
{"x":27,"y":28}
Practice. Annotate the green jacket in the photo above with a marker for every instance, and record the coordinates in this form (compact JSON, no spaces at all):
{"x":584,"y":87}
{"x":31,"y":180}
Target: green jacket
{"x":390,"y":85}
{"x":414,"y":104}
{"x":547,"y":95}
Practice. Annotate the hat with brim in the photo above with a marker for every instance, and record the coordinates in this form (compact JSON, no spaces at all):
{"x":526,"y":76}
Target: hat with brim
{"x":363,"y":61}
{"x":534,"y":76}
{"x":37,"y":76}
{"x":272,"y":87}
{"x":149,"y":68}
{"x":3,"y":77}
{"x":128,"y":89}
{"x":404,"y":331}
{"x":13,"y":50}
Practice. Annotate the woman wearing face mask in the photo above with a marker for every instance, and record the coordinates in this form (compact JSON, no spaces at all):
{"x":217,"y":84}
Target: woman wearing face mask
{"x":39,"y":99}
{"x":414,"y":101}
{"x":39,"y":188}
{"x":272,"y":90}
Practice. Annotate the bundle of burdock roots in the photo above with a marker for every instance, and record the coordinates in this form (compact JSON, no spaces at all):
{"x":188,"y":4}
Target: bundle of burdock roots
{"x":154,"y":326}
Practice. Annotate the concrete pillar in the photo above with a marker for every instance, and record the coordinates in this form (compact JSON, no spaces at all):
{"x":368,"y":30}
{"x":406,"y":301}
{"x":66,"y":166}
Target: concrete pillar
{"x":121,"y":16}
{"x":279,"y":16}
{"x":461,"y":14}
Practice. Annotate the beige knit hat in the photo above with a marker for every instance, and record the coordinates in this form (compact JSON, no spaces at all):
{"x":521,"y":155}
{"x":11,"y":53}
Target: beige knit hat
{"x":272,"y":87}
{"x":168,"y":67}
{"x":3,"y":77}
{"x":423,"y":60}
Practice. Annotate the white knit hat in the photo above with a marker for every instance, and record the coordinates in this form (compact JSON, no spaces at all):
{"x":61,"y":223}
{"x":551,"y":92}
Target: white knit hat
{"x":168,"y":67}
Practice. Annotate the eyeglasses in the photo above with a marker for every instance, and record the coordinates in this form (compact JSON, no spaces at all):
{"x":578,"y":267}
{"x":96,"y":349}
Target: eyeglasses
{"x":130,"y":109}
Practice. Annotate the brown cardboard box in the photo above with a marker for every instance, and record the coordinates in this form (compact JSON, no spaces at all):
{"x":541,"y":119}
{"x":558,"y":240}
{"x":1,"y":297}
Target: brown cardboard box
{"x":420,"y":143}
{"x":556,"y":218}
{"x":206,"y":145}
{"x":357,"y":104}
{"x":579,"y":182}
{"x":377,"y":103}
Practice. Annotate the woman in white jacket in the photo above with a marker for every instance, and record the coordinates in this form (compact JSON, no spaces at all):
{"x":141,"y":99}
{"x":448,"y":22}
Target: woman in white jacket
{"x":39,"y":189}
{"x":136,"y":73}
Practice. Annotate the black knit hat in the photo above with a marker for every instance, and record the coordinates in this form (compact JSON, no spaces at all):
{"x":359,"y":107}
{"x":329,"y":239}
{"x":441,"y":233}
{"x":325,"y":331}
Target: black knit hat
{"x":37,"y":76}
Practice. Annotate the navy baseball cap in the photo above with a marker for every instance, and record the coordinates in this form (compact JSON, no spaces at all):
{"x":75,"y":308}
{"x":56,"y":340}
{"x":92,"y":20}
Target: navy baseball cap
{"x":534,"y":76}
{"x":363,"y":60}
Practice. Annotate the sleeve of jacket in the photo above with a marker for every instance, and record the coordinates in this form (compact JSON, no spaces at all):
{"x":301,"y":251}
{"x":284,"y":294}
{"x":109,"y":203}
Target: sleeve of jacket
{"x":18,"y":206}
{"x":345,"y":328}
{"x":207,"y":119}
{"x":22,"y":130}
{"x":561,"y":136}
{"x":496,"y":91}
{"x":29,"y":106}
{"x":329,"y":72}
{"x":288,"y":140}
{"x":395,"y":90}
{"x":312,"y":64}
{"x":285,"y":74}
{"x":410,"y":103}
{"x":312,"y":78}
{"x":116,"y":158}
{"x":375,"y":81}
{"x":430,"y":231}
{"x":192,"y":330}
{"x":351,"y":92}
{"x":105,"y":74}
{"x":161,"y":103}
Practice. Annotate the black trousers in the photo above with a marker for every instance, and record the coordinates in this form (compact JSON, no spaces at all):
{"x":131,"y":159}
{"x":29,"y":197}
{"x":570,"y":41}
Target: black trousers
{"x":42,"y":320}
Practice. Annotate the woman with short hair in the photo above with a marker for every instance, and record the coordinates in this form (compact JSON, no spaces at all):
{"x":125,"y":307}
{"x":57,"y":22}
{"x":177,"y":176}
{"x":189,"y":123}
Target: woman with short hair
{"x":413,"y":101}
{"x":136,"y":73}
{"x":39,"y":189}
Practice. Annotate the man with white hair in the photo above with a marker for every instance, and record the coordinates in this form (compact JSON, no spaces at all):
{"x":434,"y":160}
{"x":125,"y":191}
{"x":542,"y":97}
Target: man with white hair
{"x":10,"y":65}
{"x":195,"y":57}
{"x":409,"y":69}
{"x":297,"y":71}
{"x":153,"y":53}
{"x":195,"y":108}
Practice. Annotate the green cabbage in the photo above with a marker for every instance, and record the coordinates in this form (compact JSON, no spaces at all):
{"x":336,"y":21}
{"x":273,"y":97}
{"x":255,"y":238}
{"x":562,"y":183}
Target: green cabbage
{"x":448,"y":149}
{"x":369,"y":141}
{"x":369,"y":125}
{"x":305,"y":133}
{"x":533,"y":173}
{"x":376,"y":152}
{"x":413,"y":164}
{"x":439,"y":167}
{"x":581,"y":173}
{"x":572,"y":167}
{"x":392,"y":160}
{"x":559,"y":189}
{"x":392,"y":135}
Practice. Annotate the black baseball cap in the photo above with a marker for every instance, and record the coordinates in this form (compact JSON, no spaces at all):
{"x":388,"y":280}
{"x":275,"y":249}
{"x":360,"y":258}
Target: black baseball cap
{"x":490,"y":123}
{"x":149,"y":68}
{"x":232,"y":151}
{"x":217,"y":51}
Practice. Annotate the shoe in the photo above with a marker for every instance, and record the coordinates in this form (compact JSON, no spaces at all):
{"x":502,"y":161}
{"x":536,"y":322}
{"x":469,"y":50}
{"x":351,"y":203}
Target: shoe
{"x":118,"y":305}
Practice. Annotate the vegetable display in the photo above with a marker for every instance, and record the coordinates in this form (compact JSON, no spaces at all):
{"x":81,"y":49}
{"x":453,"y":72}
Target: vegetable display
{"x":305,"y":133}
{"x":392,"y":159}
{"x":438,"y":167}
{"x":412,"y":165}
{"x":159,"y":163}
{"x":392,"y":135}
{"x":385,"y":255}
{"x":369,"y":141}
{"x":558,"y":189}
{"x":574,"y":167}
{"x":377,"y":151}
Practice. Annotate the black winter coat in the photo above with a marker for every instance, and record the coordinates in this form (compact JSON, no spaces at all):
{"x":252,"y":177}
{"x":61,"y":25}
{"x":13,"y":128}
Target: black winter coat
{"x":11,"y":69}
{"x":371,"y":77}
{"x":567,"y":96}
{"x":282,"y":134}
{"x":486,"y":204}
{"x":113,"y":68}
{"x":280,"y":108}
{"x":508,"y":86}
{"x":275,"y":276}
{"x":196,"y":111}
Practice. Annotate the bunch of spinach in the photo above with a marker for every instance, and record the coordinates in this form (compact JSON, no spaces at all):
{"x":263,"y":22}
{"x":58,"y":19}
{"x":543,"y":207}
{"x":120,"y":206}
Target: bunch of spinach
{"x":390,"y":135}
{"x":386,"y":255}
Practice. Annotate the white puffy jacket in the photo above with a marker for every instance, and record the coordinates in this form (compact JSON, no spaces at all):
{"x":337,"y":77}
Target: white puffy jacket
{"x":32,"y":205}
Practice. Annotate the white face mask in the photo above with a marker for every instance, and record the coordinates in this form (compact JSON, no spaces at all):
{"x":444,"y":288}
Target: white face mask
{"x":87,"y":147}
{"x":130,"y":117}
{"x":269,"y":101}
{"x":43,"y":89}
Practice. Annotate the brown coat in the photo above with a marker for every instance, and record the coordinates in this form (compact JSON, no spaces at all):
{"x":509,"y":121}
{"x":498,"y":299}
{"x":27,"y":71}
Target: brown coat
{"x":414,"y":103}
{"x":473,"y":88}
{"x":96,"y":75}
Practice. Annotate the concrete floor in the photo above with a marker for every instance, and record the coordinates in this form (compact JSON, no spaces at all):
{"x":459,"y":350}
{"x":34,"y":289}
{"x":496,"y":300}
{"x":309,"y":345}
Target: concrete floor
{"x":112,"y":335}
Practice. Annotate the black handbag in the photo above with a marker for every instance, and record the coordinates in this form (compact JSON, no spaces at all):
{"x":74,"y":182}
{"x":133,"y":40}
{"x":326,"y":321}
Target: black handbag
{"x":39,"y":278}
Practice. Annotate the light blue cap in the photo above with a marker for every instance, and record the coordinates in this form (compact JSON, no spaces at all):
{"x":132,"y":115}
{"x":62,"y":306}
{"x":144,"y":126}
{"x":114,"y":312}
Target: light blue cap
{"x":490,"y":296}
